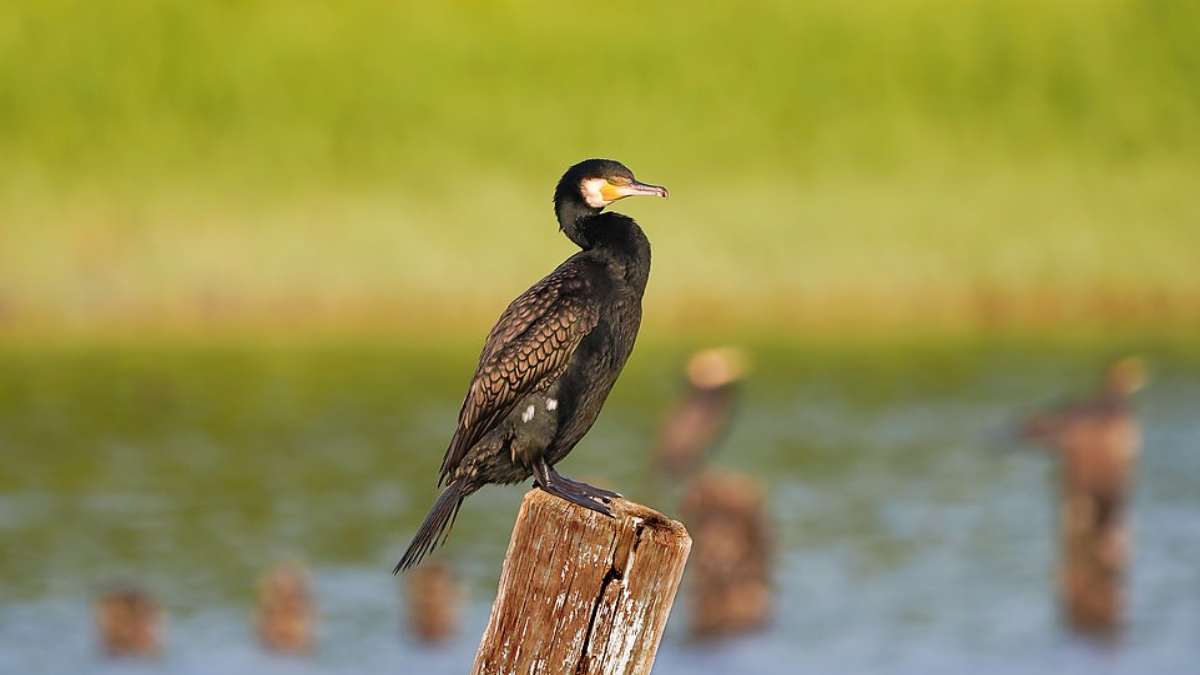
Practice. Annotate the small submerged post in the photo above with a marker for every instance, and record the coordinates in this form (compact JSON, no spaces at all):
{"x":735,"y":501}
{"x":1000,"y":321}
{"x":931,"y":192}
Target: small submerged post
{"x":285,"y":610}
{"x":581,"y":592}
{"x":130,"y":623}
{"x":433,"y":599}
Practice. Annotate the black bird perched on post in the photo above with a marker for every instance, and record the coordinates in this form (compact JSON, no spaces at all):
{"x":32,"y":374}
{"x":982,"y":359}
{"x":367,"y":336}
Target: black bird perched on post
{"x":551,"y":359}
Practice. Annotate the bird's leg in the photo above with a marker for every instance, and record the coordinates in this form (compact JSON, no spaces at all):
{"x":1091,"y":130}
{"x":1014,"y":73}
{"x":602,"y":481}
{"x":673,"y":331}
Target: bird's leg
{"x":582,"y":494}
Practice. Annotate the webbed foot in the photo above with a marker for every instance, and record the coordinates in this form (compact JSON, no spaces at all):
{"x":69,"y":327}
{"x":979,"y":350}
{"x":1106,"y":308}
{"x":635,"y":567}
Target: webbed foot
{"x":587,"y":496}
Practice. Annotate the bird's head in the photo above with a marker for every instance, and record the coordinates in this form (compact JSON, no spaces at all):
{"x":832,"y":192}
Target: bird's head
{"x":715,"y":368}
{"x":1126,"y":376}
{"x":596,"y":183}
{"x":589,"y":186}
{"x":600,"y":182}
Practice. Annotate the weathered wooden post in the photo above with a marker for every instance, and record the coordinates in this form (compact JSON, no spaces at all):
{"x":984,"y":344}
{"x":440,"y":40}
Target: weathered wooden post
{"x":729,"y":587}
{"x":581,"y":592}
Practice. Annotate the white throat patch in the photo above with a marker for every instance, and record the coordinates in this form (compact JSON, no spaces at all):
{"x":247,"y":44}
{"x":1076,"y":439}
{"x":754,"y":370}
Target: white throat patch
{"x":590,"y":189}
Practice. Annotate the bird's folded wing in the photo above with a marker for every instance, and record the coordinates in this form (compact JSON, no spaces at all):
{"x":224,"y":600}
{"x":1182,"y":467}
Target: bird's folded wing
{"x":528,"y":349}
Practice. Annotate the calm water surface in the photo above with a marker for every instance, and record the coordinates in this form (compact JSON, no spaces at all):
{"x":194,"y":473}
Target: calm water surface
{"x":912,"y":536}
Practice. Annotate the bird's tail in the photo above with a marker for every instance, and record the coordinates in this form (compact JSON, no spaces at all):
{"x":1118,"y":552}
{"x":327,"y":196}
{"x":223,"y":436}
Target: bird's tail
{"x":436,"y":527}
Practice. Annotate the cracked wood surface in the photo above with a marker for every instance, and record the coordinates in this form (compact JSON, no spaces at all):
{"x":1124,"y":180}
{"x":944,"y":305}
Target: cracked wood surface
{"x":581,"y":592}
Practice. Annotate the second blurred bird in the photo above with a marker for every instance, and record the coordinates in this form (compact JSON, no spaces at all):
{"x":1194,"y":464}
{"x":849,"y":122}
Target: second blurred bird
{"x":700,"y":419}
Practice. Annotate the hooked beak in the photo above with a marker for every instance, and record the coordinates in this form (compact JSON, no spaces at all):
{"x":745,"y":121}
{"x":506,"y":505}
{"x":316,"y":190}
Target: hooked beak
{"x":611,"y":192}
{"x":636,"y":188}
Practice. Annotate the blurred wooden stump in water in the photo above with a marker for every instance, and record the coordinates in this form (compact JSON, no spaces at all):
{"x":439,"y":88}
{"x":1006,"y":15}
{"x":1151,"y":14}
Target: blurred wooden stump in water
{"x":433,"y":601}
{"x":1094,"y":530}
{"x":1095,"y":558}
{"x":581,"y":592}
{"x":129,"y":622}
{"x":1097,"y":443}
{"x":729,"y":578}
{"x":285,"y":610}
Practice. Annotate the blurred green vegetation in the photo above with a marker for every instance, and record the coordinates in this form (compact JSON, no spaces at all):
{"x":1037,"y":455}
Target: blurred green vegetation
{"x":906,"y":164}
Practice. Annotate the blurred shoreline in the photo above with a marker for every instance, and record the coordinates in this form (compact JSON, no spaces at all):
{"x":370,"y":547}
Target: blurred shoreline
{"x":985,"y":314}
{"x":1036,"y":248}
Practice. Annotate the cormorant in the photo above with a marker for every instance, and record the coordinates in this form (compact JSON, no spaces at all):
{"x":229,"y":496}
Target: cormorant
{"x":702,"y":416}
{"x":1097,"y":438}
{"x":1111,"y":404}
{"x":552,"y":357}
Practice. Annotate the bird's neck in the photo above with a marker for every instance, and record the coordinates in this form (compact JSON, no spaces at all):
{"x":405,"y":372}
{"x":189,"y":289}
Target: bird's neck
{"x":573,"y":220}
{"x":613,"y":236}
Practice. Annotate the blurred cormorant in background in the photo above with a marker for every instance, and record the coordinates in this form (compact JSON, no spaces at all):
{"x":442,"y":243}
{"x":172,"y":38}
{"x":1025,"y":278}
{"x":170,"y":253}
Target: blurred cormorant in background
{"x":701,"y":417}
{"x":1097,"y":437}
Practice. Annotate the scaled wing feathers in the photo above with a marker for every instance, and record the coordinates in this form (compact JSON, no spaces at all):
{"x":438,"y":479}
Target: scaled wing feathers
{"x":528,"y":349}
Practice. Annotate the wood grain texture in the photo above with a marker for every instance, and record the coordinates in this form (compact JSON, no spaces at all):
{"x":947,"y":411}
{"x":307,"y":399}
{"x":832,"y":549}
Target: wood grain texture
{"x":583,"y":593}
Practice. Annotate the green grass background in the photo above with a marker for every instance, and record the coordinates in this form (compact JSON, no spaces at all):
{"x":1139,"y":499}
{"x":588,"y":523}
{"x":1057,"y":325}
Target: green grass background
{"x":318,"y":166}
